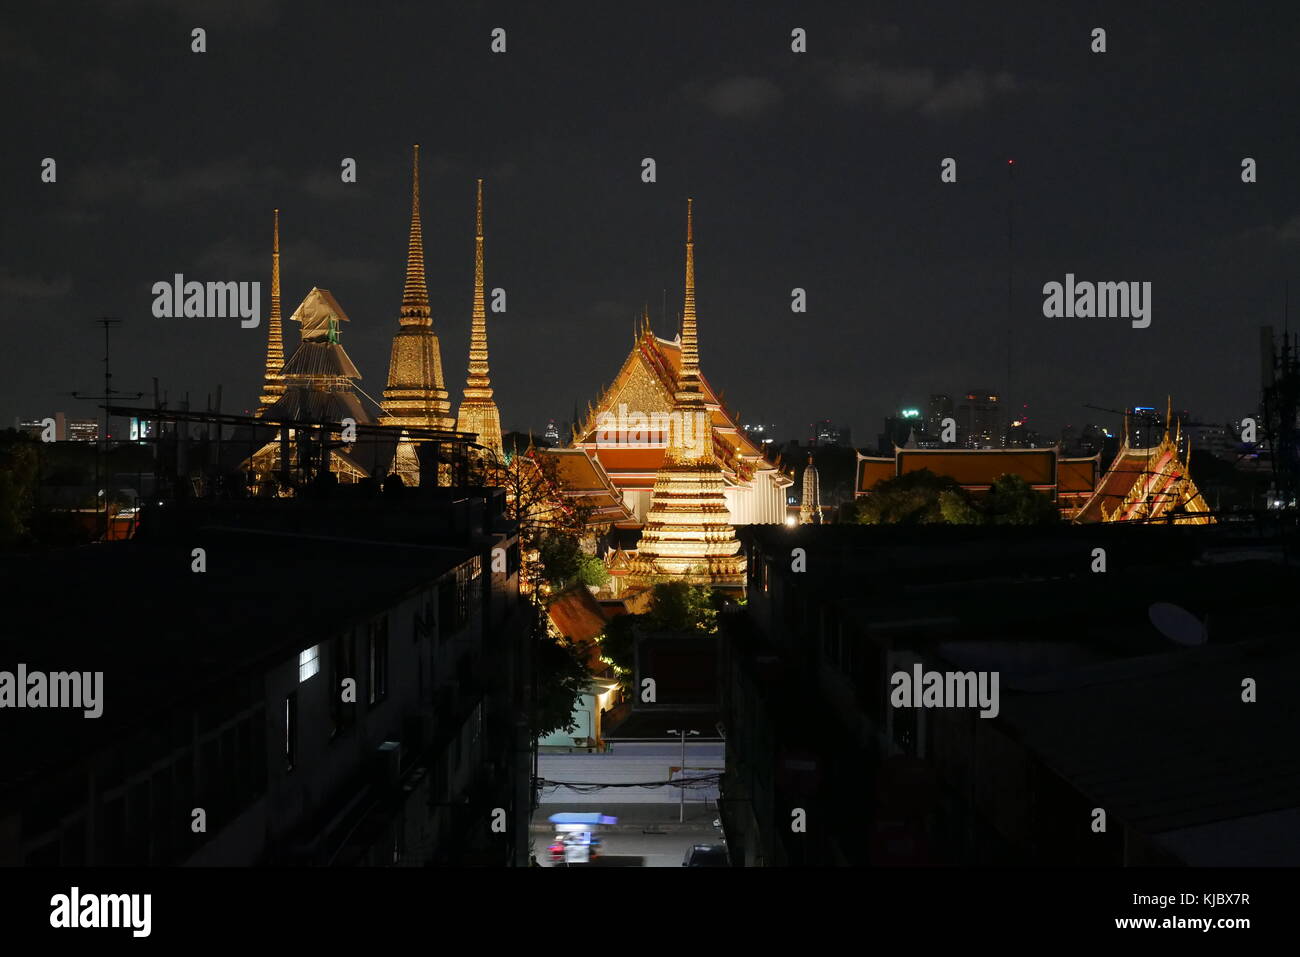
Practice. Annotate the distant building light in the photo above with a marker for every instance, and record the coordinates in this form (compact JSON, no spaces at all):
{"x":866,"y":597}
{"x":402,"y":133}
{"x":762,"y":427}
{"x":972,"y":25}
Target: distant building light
{"x":911,"y":413}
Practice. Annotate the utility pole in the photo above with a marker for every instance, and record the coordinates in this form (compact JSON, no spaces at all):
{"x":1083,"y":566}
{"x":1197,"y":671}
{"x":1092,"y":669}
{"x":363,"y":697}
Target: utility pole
{"x":681,"y":810}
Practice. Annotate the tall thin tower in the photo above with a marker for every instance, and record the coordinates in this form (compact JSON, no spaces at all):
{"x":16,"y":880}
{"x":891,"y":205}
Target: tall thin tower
{"x":687,"y":534}
{"x":273,"y":377}
{"x":478,"y":411}
{"x":416,"y":395}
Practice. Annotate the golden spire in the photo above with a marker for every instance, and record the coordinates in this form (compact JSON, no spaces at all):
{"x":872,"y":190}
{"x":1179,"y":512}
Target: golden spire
{"x":273,"y":378}
{"x":415,"y":296}
{"x":690,"y":345}
{"x":1169,"y":409}
{"x":478,"y":413}
{"x":478,"y":385}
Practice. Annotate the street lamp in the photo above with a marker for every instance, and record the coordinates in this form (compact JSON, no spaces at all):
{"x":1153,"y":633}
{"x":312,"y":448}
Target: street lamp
{"x":681,"y":812}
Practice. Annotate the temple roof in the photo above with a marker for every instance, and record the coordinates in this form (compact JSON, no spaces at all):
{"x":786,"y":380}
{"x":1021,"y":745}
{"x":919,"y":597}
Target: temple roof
{"x":1144,"y":483}
{"x":978,"y":469}
{"x":647,"y":383}
{"x":584,"y":477}
{"x":578,"y":615}
{"x":320,"y":360}
{"x":315,"y":312}
{"x":317,"y":405}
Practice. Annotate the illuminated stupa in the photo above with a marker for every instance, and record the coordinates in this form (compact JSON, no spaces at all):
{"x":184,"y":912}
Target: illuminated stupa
{"x":687,"y":534}
{"x":415,"y":395}
{"x":810,"y":509}
{"x":478,"y":411}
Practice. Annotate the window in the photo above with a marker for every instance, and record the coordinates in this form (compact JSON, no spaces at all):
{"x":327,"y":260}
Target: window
{"x":290,"y":731}
{"x":343,"y":667}
{"x":308,"y":663}
{"x":377,"y":659}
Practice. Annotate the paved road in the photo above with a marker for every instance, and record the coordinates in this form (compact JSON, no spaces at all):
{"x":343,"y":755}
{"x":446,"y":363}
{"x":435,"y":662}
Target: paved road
{"x":635,"y":849}
{"x":631,"y":764}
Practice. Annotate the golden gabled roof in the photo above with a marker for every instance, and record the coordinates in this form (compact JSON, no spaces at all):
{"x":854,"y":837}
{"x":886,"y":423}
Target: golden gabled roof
{"x":1147,"y":484}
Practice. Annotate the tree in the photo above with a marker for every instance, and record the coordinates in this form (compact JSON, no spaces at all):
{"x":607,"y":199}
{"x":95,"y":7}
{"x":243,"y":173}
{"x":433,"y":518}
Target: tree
{"x":19,"y":470}
{"x":678,"y":606}
{"x":1012,"y":501}
{"x":562,"y":678}
{"x":535,"y":500}
{"x":911,"y":499}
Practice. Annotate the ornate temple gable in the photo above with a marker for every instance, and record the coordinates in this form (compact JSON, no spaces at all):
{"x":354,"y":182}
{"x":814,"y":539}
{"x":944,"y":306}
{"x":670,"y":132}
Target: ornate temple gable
{"x":647,"y":382}
{"x":643,"y":389}
{"x":1147,"y":485}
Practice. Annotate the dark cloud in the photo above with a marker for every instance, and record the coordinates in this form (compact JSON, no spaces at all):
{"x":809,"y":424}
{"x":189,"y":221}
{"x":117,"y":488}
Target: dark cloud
{"x":742,"y":96}
{"x":901,"y":89}
{"x":34,"y":287}
{"x":203,"y":13}
{"x":148,"y":182}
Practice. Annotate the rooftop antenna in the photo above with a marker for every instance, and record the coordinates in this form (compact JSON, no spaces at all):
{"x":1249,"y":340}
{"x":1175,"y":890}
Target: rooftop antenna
{"x":109,"y":392}
{"x":1011,"y":182}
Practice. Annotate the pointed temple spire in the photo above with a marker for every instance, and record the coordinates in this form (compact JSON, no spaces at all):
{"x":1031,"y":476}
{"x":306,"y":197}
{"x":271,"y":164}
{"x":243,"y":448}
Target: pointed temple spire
{"x":478,"y":411}
{"x":415,"y":295}
{"x":688,"y":534}
{"x":690,"y":343}
{"x":273,"y":377}
{"x":415,"y":394}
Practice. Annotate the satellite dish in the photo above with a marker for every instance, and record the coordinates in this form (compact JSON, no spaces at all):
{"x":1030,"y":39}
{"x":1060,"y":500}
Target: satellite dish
{"x":1177,"y":624}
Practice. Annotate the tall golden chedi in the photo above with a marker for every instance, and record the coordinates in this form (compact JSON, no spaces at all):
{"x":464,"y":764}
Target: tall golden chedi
{"x":273,"y":378}
{"x":478,"y":412}
{"x":687,"y":534}
{"x":415,"y":395}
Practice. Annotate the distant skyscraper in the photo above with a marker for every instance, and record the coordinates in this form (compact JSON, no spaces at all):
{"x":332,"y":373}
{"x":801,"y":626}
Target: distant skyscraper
{"x":810,"y":509}
{"x":552,"y":433}
{"x":824,"y":432}
{"x":936,"y":410}
{"x":979,"y":420}
{"x":478,"y":411}
{"x":416,"y":395}
{"x":1144,"y":426}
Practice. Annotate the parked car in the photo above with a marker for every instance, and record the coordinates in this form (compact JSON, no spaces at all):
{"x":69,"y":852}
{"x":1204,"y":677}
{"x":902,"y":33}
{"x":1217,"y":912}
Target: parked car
{"x":706,"y":855}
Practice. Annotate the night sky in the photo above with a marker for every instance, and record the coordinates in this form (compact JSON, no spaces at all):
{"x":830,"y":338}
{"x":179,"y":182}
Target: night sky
{"x":818,"y":170}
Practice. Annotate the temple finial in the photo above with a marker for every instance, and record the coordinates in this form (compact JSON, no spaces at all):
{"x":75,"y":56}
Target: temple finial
{"x":273,"y":378}
{"x":1169,"y":410}
{"x":415,"y":295}
{"x":690,"y":345}
{"x":478,"y":411}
